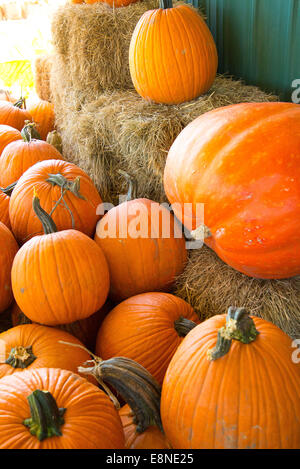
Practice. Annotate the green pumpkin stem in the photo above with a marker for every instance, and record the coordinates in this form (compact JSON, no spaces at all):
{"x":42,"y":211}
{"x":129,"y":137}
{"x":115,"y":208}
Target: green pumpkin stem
{"x":46,"y":220}
{"x":54,"y":139}
{"x":46,"y":418}
{"x":8,"y":190}
{"x":132,"y":186}
{"x":29,"y":132}
{"x":239,"y":326}
{"x":20,"y":357}
{"x":20,"y":103}
{"x":164,"y":4}
{"x":183,"y":326}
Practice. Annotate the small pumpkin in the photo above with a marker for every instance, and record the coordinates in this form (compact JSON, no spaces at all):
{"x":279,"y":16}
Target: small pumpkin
{"x":147,"y":328}
{"x":14,"y":115}
{"x":65,"y":191}
{"x":30,"y":346}
{"x":70,"y":272}
{"x":20,"y":155}
{"x":144,"y":247}
{"x":8,"y":250}
{"x":7,"y":135}
{"x":232,"y":384}
{"x":151,"y":438}
{"x":185,"y":60}
{"x":43,"y":115}
{"x":242,"y":163}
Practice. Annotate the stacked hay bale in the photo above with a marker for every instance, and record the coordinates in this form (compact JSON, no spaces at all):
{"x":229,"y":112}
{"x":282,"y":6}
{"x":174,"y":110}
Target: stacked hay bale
{"x":106,"y":126}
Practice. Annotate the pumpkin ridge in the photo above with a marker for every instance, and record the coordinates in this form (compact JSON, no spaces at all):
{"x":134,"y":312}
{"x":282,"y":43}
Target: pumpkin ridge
{"x":62,"y":245}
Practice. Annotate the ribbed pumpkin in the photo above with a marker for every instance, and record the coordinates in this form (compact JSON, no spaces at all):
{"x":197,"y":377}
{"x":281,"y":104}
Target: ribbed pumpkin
{"x":30,"y":346}
{"x":151,"y":438}
{"x":243,"y":163}
{"x":232,"y":384}
{"x":172,"y":56}
{"x":13,"y":114}
{"x":52,"y":179}
{"x":7,"y":135}
{"x":147,"y":328}
{"x":143,"y":245}
{"x":43,"y":115}
{"x":70,"y":272}
{"x":20,"y":155}
{"x":52,"y":408}
{"x":8,"y":250}
{"x":84,"y":330}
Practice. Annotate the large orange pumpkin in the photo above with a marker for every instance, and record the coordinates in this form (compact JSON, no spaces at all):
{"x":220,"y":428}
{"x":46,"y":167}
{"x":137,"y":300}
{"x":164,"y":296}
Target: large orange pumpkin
{"x":147,"y":328}
{"x":172,"y":56}
{"x":20,"y":155}
{"x":30,"y":346}
{"x":8,"y":250}
{"x":243,"y":163}
{"x":7,"y":135}
{"x":52,"y":179}
{"x":151,"y":438}
{"x":52,"y":408}
{"x":70,"y":272}
{"x":43,"y":115}
{"x":232,"y":384}
{"x":13,"y":114}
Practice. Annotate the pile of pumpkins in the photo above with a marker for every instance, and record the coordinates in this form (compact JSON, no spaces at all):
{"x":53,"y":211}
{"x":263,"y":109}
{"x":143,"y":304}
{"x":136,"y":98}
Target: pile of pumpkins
{"x":100,"y":354}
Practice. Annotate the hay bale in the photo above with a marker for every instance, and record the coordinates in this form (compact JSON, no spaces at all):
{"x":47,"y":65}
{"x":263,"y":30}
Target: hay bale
{"x":211,"y":286}
{"x":42,"y":72}
{"x":120,"y":130}
{"x":91,"y":44}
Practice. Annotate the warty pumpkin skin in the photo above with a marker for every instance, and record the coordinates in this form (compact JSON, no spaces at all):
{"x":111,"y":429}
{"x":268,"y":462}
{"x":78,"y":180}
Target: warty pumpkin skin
{"x":8,"y":250}
{"x":70,"y":272}
{"x":243,"y":163}
{"x":89,"y":421}
{"x":82,"y":200}
{"x":140,"y":261}
{"x":152,"y":438}
{"x":43,"y":115}
{"x":147,"y":328}
{"x":13,"y":114}
{"x":7,"y":135}
{"x":246,"y":399}
{"x":20,"y":155}
{"x":172,"y":55}
{"x":31,"y":346}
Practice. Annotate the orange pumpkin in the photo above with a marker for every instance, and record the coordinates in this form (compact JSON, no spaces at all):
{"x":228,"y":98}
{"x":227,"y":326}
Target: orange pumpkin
{"x":50,"y":408}
{"x":151,"y":438}
{"x":30,"y":346}
{"x":20,"y":155}
{"x":7,"y":135}
{"x":172,"y":56}
{"x":112,"y":3}
{"x":232,"y":384}
{"x":242,"y":162}
{"x":71,"y":277}
{"x":13,"y":114}
{"x":43,"y":114}
{"x":66,"y":192}
{"x":144,"y":247}
{"x":8,"y":250}
{"x":147,"y":328}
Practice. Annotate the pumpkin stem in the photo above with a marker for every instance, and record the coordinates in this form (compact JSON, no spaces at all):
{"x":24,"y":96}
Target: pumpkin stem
{"x":21,"y":103}
{"x":164,"y":4}
{"x":8,"y":190}
{"x":183,"y":326}
{"x":46,"y":220}
{"x":239,"y":326}
{"x":54,"y":138}
{"x":46,"y":418}
{"x":20,"y":357}
{"x":201,"y":233}
{"x":29,"y":132}
{"x":132,"y":186}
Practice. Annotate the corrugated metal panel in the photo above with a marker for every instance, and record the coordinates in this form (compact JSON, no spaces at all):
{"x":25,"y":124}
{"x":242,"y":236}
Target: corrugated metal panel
{"x":257,"y":40}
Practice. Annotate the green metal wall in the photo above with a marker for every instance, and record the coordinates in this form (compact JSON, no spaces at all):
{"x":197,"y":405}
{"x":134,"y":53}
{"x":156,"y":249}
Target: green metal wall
{"x":259,"y":41}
